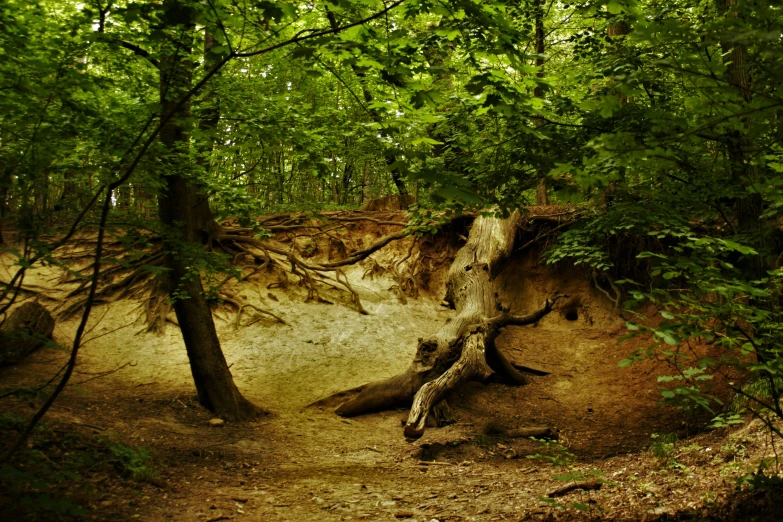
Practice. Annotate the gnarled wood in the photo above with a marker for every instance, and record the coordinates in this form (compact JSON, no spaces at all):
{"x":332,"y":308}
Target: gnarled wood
{"x":471,"y":365}
{"x":464,"y":348}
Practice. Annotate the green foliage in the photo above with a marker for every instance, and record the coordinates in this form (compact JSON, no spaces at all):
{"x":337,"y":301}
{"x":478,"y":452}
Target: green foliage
{"x":553,"y":453}
{"x":52,"y":474}
{"x":129,"y":461}
{"x":759,"y":389}
{"x":592,"y":474}
{"x":30,"y":481}
{"x":725,"y":420}
{"x":663,"y":445}
{"x":720,"y":308}
{"x":763,"y":479}
{"x":575,"y":505}
{"x":12,"y":421}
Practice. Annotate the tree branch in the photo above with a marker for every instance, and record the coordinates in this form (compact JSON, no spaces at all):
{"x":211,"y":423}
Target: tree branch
{"x":316,"y":33}
{"x":138,"y":51}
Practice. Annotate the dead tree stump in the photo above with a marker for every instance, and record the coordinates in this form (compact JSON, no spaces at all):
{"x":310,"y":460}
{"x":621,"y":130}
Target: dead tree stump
{"x":464,"y":348}
{"x":26,"y":330}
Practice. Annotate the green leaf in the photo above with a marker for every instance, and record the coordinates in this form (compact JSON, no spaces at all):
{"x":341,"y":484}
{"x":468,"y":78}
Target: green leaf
{"x":579,"y":506}
{"x":671,"y":340}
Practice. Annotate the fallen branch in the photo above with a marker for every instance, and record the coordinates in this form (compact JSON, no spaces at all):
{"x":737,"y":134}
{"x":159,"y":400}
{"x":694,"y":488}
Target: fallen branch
{"x":590,"y":485}
{"x":538,"y":432}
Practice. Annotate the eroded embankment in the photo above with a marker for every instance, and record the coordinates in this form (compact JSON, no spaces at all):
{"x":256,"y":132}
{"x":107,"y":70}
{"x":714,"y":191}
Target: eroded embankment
{"x":325,"y":348}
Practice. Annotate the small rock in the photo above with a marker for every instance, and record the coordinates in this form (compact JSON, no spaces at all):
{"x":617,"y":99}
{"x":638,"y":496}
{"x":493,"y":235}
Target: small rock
{"x":216,"y":422}
{"x":403,"y":514}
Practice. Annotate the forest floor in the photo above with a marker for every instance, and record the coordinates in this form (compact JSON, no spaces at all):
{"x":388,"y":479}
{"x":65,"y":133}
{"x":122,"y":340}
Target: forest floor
{"x":128,"y":440}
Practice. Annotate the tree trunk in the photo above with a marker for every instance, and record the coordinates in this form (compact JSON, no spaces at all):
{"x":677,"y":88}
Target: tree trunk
{"x":366,"y":189}
{"x":178,"y":207}
{"x":463,"y":349}
{"x":68,"y":197}
{"x":541,"y":192}
{"x":5,"y":184}
{"x":615,"y":32}
{"x":748,"y":207}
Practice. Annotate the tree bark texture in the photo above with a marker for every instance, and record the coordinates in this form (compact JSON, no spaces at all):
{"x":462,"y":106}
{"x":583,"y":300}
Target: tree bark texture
{"x":541,"y":191}
{"x":738,"y":144}
{"x":178,"y":208}
{"x":463,"y":349}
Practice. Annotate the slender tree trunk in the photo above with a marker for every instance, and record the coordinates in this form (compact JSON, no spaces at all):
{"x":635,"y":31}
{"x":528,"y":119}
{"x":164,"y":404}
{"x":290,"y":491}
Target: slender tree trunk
{"x":366,"y":189}
{"x":68,"y":197}
{"x":345,"y":185}
{"x":123,"y":197}
{"x":615,"y":31}
{"x":541,"y":192}
{"x":748,"y":207}
{"x":5,"y":185}
{"x":177,"y":206}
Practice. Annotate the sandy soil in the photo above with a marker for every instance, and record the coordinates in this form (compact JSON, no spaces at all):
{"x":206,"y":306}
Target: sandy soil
{"x":305,"y":463}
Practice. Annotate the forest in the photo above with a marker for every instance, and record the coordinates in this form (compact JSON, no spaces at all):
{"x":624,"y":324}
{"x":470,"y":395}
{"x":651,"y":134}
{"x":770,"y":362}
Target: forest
{"x":426,"y":260}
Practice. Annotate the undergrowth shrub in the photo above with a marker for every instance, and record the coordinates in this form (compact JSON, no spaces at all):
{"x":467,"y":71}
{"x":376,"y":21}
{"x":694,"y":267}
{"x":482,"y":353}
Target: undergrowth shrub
{"x":129,"y":461}
{"x":720,"y":324}
{"x":51,"y":476}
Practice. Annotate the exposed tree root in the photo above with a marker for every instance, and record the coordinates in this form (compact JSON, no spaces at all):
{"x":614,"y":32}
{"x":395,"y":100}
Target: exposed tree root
{"x":241,"y":308}
{"x":472,"y":364}
{"x":618,"y":293}
{"x":464,"y":348}
{"x":131,"y":274}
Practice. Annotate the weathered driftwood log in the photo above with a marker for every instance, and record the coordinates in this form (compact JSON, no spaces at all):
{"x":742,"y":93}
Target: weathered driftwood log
{"x":26,"y":329}
{"x":464,"y":348}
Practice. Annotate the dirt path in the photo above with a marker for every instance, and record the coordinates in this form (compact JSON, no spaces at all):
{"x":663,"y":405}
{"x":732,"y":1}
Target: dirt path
{"x":306,"y":464}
